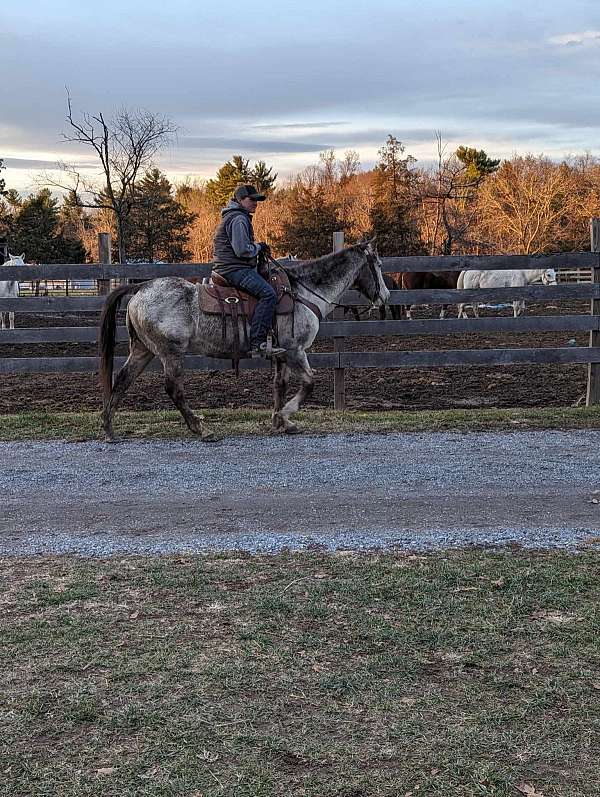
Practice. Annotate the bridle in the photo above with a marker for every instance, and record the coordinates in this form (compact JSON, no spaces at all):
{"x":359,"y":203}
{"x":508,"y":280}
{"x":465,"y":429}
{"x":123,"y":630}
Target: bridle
{"x":371,"y":262}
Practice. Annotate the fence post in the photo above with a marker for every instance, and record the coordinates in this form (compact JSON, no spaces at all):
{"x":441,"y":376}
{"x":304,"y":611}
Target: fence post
{"x":593,"y":381}
{"x":339,"y":374}
{"x":105,"y":258}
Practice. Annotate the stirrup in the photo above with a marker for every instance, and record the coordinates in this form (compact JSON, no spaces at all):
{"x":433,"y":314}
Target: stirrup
{"x":268,"y":351}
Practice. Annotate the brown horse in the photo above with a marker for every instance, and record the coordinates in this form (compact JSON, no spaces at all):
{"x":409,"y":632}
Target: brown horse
{"x":427,"y":280}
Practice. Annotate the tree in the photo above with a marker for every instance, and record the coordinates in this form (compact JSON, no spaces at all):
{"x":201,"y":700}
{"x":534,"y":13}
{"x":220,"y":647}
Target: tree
{"x":477,"y":164}
{"x":529,"y":205}
{"x":262,"y":177}
{"x":36,"y":231}
{"x":125,"y":146}
{"x":236,"y":172}
{"x":73,"y":225}
{"x":158,"y":224}
{"x":449,"y":195}
{"x":2,"y":183}
{"x":311,"y":221}
{"x":192,"y":196}
{"x":393,"y":187}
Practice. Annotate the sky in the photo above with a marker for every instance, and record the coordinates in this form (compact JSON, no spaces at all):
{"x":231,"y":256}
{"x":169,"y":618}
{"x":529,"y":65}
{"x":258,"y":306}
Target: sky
{"x":283,"y":81}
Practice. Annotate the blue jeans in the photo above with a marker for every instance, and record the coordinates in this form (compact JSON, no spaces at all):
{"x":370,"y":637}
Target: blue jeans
{"x":249,"y":280}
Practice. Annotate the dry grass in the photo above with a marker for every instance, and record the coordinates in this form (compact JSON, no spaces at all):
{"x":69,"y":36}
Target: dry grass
{"x":167,"y":424}
{"x":326,"y":675}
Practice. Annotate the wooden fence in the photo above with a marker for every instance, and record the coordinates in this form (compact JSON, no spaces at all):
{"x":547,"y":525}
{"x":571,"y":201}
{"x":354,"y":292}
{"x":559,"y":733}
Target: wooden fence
{"x":339,"y":329}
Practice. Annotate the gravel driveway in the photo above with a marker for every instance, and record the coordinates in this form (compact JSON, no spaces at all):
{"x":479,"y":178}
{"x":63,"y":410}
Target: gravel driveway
{"x":413,"y":491}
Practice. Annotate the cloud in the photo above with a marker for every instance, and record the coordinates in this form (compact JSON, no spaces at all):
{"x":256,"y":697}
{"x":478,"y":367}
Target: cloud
{"x":575,"y":39}
{"x":296,"y":125}
{"x":34,"y":163}
{"x":249,"y":145}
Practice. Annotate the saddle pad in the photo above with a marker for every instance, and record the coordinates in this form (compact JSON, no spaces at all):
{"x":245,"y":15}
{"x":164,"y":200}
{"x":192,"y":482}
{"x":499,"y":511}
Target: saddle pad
{"x":224,"y":300}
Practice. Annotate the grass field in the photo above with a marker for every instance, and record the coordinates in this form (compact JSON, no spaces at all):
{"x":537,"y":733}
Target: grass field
{"x":471,"y":674}
{"x":167,"y":424}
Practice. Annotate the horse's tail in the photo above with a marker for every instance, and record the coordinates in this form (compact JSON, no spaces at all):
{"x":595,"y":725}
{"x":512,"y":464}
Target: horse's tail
{"x":108,"y":335}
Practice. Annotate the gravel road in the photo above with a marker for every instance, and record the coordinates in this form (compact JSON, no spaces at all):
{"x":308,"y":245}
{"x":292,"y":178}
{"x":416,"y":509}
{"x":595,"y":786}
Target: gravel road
{"x":409,"y":491}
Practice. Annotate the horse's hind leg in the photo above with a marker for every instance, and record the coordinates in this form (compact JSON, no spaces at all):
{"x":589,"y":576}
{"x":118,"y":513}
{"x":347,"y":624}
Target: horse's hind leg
{"x":138,"y":359}
{"x":173,"y":366}
{"x":280,"y":384}
{"x":11,"y":320}
{"x":298,"y":362}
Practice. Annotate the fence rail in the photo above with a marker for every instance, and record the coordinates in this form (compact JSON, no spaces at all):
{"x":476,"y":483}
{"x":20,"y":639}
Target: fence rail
{"x":339,"y":329}
{"x":78,"y":271}
{"x":347,"y":329}
{"x":533,"y":293}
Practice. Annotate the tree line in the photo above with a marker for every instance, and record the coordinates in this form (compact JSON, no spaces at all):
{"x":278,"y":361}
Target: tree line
{"x":466,"y":202}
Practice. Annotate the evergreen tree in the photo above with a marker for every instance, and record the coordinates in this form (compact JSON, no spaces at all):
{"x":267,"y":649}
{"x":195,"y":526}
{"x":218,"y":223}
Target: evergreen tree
{"x":262,"y":177}
{"x":236,"y":172}
{"x":391,"y":221}
{"x":35,"y":226}
{"x":36,"y":231}
{"x":307,"y":231}
{"x":2,"y":183}
{"x":476,"y":162}
{"x":158,"y":224}
{"x":72,"y":224}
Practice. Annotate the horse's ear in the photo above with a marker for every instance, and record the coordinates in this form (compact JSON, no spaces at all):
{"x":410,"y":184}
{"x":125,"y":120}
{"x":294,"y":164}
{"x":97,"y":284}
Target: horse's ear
{"x":22,"y":256}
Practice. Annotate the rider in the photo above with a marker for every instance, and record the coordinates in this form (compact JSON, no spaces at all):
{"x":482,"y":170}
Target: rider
{"x":236,"y":259}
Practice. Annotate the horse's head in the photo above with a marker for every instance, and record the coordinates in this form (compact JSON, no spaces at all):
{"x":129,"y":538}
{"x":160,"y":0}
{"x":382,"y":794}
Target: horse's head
{"x":15,"y":260}
{"x":549,"y":277}
{"x":369,"y":280}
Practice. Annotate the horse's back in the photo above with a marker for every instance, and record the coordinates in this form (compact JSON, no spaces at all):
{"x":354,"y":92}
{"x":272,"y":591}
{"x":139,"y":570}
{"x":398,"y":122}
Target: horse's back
{"x":166,"y":306}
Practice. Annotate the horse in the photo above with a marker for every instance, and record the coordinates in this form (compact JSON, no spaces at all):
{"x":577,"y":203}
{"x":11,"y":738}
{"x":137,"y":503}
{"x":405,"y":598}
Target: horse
{"x":515,"y":278}
{"x":395,"y":309}
{"x":165,"y":320}
{"x":427,"y":280}
{"x":10,"y":290}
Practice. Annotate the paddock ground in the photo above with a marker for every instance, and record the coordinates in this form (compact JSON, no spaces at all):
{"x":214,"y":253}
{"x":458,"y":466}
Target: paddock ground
{"x":368,"y":389}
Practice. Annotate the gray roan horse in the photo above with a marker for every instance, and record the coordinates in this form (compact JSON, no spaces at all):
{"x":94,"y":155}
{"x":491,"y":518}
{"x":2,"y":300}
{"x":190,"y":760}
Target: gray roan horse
{"x":164,"y":320}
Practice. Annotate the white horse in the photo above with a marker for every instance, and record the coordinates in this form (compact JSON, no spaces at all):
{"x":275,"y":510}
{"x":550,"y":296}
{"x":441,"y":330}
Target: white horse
{"x":516,"y":278}
{"x":10,"y":290}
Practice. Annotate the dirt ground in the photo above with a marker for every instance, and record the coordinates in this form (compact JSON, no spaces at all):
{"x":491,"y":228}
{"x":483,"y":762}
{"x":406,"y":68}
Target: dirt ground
{"x":440,"y":388}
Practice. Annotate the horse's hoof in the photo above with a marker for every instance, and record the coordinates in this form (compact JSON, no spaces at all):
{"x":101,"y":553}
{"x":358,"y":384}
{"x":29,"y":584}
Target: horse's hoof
{"x":209,"y":437}
{"x":291,"y":428}
{"x":277,"y":421}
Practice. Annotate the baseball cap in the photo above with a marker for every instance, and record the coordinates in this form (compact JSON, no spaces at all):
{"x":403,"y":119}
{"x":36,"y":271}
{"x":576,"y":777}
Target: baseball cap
{"x":243,"y":191}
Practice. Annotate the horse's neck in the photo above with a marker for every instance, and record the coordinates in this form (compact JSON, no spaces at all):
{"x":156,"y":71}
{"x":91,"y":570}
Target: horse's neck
{"x":533,"y":274}
{"x":330,"y":277}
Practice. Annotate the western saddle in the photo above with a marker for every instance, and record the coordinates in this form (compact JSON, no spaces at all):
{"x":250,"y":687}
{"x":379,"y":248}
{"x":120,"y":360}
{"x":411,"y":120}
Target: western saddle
{"x":217,"y":297}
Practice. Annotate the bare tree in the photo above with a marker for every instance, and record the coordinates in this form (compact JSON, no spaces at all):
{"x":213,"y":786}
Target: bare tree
{"x":529,"y":205}
{"x":448,"y":197}
{"x":125,"y":146}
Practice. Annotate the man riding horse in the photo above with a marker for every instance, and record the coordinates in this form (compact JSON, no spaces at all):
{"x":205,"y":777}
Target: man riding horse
{"x":236,"y":258}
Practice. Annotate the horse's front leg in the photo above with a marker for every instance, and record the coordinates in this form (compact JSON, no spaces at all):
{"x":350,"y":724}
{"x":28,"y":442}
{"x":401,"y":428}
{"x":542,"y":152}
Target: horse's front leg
{"x":298,"y":362}
{"x":11,"y":320}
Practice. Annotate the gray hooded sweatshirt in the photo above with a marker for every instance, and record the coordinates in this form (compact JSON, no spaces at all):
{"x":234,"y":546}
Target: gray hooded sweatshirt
{"x":233,"y":242}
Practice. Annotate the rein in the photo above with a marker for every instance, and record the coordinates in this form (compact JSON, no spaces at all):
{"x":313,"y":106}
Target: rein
{"x":294,"y":278}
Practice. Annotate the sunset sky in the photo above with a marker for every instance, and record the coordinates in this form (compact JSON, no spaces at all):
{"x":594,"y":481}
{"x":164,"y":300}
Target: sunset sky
{"x":283,"y":81}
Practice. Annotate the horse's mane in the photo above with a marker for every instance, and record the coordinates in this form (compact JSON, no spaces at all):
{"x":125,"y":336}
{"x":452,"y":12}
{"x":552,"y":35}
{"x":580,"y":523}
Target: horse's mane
{"x":317,"y":270}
